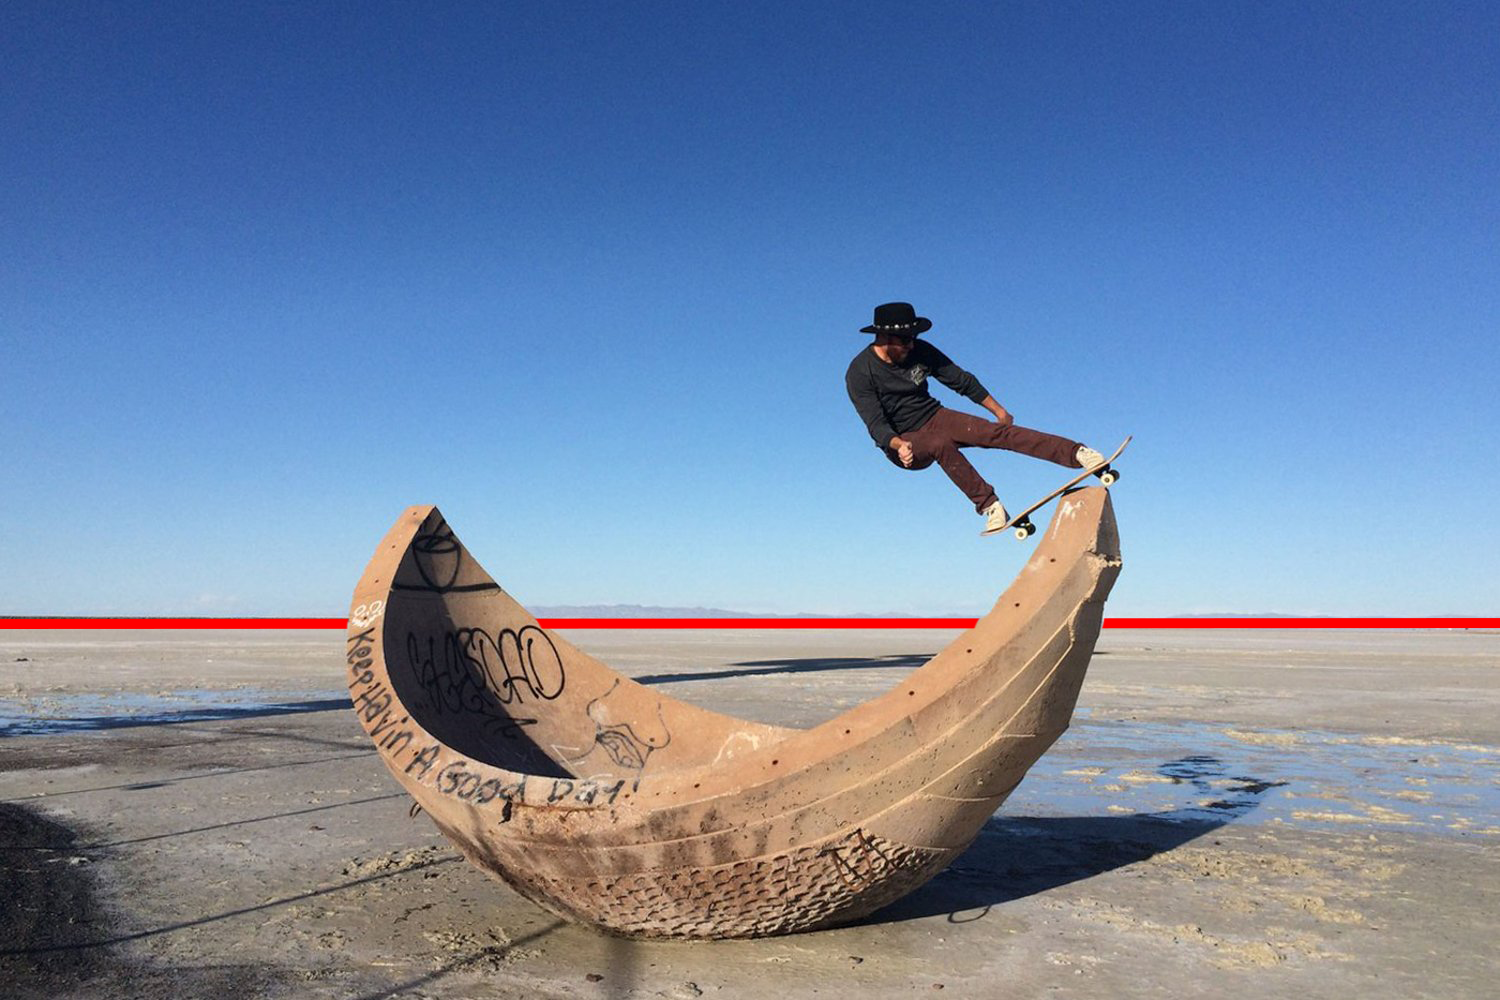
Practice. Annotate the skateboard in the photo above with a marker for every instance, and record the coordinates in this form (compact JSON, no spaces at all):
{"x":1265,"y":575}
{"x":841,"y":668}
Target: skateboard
{"x":1022,"y":522}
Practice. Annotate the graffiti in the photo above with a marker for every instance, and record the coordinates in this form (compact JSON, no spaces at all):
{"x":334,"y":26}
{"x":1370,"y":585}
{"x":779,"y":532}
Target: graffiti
{"x":513,"y":661}
{"x":859,"y":861}
{"x":477,"y":673}
{"x":512,"y":667}
{"x":361,"y":645}
{"x":585,"y":790}
{"x":628,"y":745}
{"x":365,"y":614}
{"x":422,"y":761}
{"x":374,"y":703}
{"x":461,"y":783}
{"x":736,"y":743}
{"x":395,"y":741}
{"x":439,"y":558}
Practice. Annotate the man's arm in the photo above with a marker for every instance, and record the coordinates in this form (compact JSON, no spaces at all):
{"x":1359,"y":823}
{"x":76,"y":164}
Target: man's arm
{"x":1002,"y":415}
{"x":965,"y":384}
{"x":867,"y":405}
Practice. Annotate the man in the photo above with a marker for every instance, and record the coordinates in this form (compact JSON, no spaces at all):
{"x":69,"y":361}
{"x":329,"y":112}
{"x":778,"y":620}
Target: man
{"x":887,"y":384}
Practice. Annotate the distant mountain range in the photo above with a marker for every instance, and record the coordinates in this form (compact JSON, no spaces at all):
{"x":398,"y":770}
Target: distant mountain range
{"x":656,"y":611}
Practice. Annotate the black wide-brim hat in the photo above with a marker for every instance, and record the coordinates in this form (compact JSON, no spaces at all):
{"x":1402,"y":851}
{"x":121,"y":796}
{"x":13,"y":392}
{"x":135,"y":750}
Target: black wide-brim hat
{"x":898,"y":318}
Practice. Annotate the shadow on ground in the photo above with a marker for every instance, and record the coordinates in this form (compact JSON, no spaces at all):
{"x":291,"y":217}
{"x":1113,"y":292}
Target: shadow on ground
{"x":758,"y":668}
{"x":50,"y":911}
{"x":1015,"y":857}
{"x":57,"y":939}
{"x":49,"y":727}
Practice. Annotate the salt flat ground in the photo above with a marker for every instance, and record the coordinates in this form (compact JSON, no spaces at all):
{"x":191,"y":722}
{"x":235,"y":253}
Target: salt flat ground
{"x":1267,"y":813}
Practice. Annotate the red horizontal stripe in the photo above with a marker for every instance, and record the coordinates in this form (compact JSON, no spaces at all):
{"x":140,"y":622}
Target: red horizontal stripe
{"x":856,"y":623}
{"x":772,"y":623}
{"x":1327,"y":623}
{"x":173,"y":623}
{"x":782,"y":623}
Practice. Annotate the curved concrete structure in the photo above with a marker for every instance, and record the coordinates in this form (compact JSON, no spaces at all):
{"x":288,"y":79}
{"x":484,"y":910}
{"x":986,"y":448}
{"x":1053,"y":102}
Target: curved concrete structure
{"x":605,"y":801}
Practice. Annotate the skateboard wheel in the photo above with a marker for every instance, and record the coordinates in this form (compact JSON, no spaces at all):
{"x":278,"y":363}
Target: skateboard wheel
{"x":1025,"y":530}
{"x":1108,"y":476}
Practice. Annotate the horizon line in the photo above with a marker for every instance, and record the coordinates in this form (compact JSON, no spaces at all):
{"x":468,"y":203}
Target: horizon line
{"x":61,"y":622}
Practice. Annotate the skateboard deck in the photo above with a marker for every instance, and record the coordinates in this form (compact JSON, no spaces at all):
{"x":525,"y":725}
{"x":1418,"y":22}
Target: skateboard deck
{"x":1021,"y":522}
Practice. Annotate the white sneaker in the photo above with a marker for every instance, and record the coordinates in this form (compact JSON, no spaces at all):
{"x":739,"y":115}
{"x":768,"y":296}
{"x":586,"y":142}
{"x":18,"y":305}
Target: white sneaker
{"x":1088,"y":458}
{"x":995,"y":517}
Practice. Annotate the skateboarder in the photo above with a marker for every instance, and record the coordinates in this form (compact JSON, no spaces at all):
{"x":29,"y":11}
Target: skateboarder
{"x":887,"y":384}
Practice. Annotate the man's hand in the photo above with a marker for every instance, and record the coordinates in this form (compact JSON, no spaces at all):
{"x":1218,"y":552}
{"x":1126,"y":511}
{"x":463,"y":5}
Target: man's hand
{"x":903,"y":451}
{"x":1002,"y":415}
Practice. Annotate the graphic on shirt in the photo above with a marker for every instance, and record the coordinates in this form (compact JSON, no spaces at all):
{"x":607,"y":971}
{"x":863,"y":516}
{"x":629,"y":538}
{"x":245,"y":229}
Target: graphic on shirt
{"x":918,"y":374}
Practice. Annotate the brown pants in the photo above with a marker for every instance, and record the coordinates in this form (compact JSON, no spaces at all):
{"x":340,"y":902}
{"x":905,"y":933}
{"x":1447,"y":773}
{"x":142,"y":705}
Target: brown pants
{"x":947,"y":431}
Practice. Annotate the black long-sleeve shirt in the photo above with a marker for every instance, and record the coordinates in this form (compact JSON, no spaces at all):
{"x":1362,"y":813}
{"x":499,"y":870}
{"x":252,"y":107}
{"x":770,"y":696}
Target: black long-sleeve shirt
{"x":893,"y":399}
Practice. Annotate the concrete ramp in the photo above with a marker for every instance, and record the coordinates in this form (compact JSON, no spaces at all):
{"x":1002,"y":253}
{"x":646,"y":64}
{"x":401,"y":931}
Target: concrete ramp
{"x":605,"y":801}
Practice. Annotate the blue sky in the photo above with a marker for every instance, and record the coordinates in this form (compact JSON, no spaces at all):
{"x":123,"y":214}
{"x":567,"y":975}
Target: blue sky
{"x":588,"y":276}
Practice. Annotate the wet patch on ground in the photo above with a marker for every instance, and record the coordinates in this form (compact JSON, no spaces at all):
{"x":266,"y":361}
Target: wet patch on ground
{"x":1197,"y":772}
